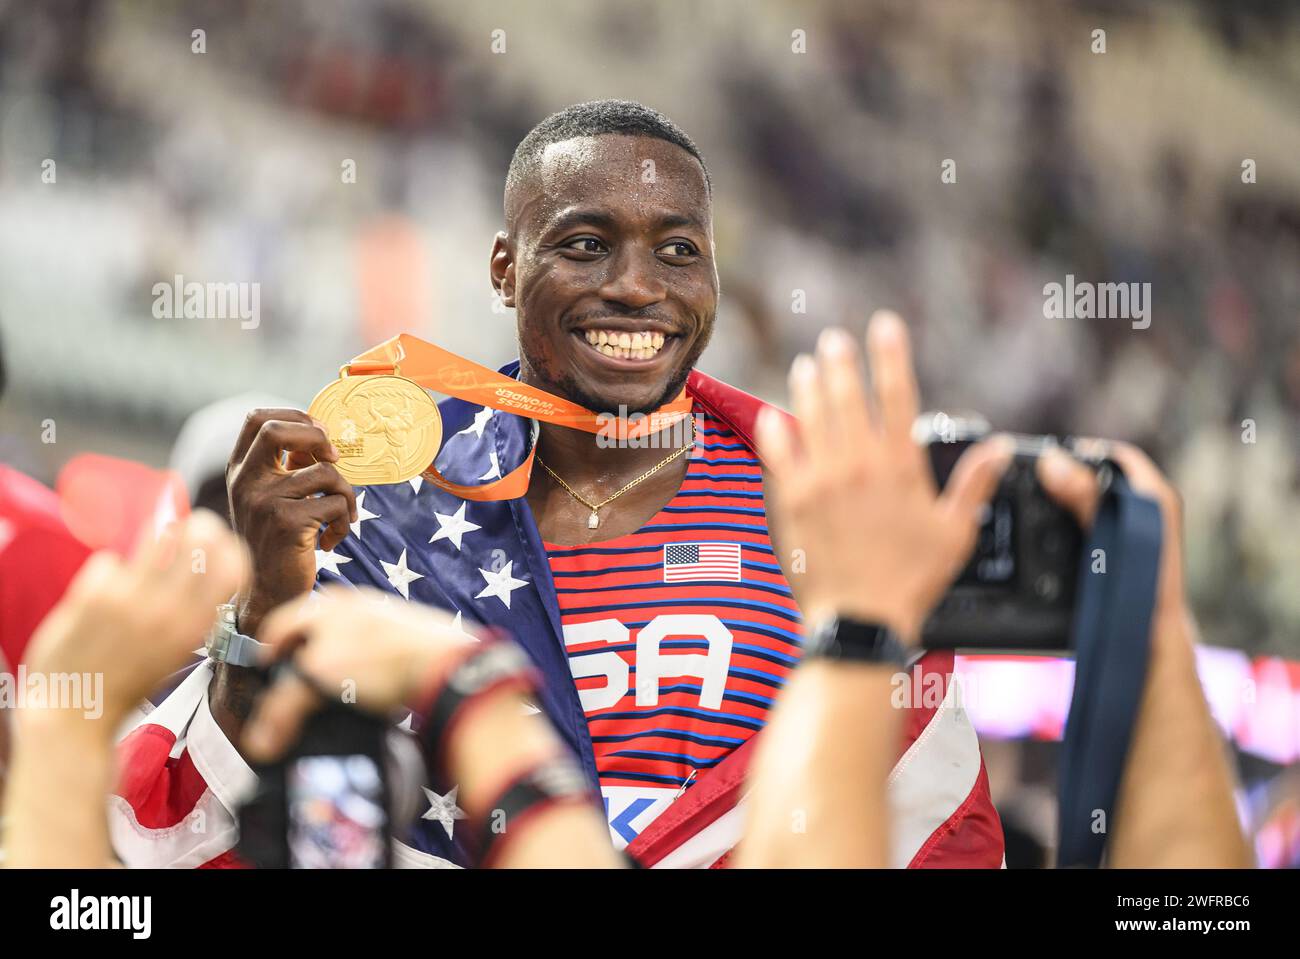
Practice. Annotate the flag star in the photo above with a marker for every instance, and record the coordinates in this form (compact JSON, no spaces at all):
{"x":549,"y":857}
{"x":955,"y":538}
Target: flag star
{"x":399,"y":576}
{"x":416,"y":482}
{"x":330,"y":560}
{"x":495,"y":471}
{"x":501,"y":584}
{"x":480,"y":421}
{"x":453,"y":527}
{"x":443,"y":809}
{"x":363,"y":514}
{"x":458,"y":624}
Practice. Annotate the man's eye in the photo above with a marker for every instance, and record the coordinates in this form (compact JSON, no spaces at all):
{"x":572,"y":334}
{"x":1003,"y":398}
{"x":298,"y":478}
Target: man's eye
{"x":585,"y":244}
{"x":680,"y":248}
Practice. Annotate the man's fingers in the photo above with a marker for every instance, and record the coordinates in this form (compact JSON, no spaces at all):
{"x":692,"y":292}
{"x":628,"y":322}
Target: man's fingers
{"x":332,"y":512}
{"x":806,"y":398}
{"x":208,"y":562}
{"x":278,"y":716}
{"x":845,"y":396}
{"x":775,"y":433}
{"x":890,"y":353}
{"x":253,"y":424}
{"x":1145,"y":477}
{"x":1070,"y":483}
{"x":335,"y":532}
{"x":277,"y":435}
{"x":101,"y":573}
{"x":319,"y":478}
{"x":975,"y":477}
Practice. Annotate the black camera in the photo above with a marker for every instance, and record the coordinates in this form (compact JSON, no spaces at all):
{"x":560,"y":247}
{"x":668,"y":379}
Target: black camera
{"x":1017,"y":592}
{"x":336,"y":800}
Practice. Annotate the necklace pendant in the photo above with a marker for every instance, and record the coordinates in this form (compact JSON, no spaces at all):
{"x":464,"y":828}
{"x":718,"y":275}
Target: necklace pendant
{"x":593,"y":521}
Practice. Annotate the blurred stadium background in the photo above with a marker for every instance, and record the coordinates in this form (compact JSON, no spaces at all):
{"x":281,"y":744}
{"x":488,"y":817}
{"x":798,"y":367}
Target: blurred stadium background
{"x":228,"y":166}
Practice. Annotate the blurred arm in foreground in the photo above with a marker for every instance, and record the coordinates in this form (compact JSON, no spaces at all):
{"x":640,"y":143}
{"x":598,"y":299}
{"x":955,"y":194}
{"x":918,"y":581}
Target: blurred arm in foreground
{"x":130,"y":623}
{"x":882,"y":546}
{"x":134,"y":623}
{"x":412,"y":655}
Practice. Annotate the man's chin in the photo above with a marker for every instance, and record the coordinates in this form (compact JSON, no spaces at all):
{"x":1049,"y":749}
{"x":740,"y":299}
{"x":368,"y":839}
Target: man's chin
{"x":619,"y":393}
{"x":623,"y":401}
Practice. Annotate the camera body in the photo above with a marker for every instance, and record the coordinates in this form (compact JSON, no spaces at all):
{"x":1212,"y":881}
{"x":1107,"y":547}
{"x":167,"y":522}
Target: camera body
{"x":1017,"y":592}
{"x":328,"y":803}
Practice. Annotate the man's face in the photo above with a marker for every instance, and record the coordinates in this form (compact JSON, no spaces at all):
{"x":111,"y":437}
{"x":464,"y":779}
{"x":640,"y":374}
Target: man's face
{"x":611,"y":239}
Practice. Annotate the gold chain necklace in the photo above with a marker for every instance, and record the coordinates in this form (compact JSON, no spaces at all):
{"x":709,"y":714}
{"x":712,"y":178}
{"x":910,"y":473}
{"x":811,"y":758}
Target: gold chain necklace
{"x":593,"y":521}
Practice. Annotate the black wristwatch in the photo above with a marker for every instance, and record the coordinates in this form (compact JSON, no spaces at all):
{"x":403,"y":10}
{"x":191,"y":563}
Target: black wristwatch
{"x":852,"y":640}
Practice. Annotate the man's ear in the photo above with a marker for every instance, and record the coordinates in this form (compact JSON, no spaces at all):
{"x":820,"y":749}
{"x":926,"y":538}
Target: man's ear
{"x":502,"y":269}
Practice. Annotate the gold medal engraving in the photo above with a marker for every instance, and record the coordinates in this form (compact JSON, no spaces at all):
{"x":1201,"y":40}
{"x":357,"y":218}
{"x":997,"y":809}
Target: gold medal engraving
{"x":386,"y":428}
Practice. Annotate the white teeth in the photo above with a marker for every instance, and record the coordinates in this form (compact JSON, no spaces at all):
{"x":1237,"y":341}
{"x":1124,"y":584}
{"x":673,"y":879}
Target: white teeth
{"x":633,"y":346}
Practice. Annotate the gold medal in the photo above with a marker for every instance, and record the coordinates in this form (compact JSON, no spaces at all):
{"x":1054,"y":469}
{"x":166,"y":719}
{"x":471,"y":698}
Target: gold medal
{"x":386,"y":428}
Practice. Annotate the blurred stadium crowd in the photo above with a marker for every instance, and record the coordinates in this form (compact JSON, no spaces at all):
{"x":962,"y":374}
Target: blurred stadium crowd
{"x":229,"y":165}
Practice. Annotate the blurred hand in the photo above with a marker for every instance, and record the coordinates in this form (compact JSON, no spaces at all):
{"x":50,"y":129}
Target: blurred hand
{"x":1074,"y":486}
{"x":855,"y":492}
{"x":135,"y":622}
{"x":344,"y":639}
{"x":277,"y":508}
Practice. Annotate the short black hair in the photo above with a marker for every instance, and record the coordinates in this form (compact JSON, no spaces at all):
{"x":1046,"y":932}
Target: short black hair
{"x":596,"y":118}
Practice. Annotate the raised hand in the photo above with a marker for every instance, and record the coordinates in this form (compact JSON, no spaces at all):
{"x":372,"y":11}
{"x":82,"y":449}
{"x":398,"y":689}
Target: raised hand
{"x":855,"y":492}
{"x":279,"y":503}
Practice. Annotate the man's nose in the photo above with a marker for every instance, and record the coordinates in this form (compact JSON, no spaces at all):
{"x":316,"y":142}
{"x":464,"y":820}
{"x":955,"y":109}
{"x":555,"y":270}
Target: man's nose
{"x":633,"y":280}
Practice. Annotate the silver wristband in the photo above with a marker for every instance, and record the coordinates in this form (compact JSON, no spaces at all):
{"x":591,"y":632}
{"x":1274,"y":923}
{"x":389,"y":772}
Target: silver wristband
{"x":226,"y":644}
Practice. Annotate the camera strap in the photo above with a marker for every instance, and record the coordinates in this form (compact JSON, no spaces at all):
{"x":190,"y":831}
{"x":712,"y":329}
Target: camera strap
{"x":1112,"y":641}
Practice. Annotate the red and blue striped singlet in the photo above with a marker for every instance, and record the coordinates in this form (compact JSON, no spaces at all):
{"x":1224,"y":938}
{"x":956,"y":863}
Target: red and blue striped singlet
{"x":680,"y":634}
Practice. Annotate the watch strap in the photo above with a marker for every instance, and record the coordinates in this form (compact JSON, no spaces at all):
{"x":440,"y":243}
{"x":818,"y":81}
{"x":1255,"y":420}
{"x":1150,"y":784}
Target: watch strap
{"x":852,"y":640}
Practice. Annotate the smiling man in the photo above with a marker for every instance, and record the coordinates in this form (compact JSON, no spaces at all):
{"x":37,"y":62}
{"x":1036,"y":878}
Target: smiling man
{"x":640,"y":579}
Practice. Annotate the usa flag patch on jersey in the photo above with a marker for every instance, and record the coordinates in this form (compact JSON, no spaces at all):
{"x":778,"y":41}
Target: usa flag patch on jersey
{"x":696,"y":562}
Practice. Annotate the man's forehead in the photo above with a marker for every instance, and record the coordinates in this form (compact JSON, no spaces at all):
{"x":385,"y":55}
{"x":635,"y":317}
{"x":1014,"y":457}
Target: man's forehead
{"x":654,"y":175}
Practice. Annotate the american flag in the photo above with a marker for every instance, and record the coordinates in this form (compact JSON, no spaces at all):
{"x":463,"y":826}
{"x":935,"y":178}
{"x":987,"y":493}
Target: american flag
{"x":691,"y":562}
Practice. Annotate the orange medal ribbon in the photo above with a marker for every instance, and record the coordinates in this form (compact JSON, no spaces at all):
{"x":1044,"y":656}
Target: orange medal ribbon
{"x":410,"y":358}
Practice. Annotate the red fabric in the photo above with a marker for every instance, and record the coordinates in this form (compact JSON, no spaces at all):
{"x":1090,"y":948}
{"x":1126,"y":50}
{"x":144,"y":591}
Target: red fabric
{"x":970,"y":839}
{"x":227,"y":860}
{"x":161,"y":791}
{"x":972,"y":836}
{"x":38,"y":558}
{"x":714,"y":792}
{"x":736,"y":407}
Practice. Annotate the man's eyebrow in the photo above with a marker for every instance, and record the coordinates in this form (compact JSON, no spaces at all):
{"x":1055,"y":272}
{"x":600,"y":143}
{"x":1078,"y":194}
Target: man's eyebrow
{"x":598,"y":218}
{"x":579,"y":217}
{"x":679,"y":219}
